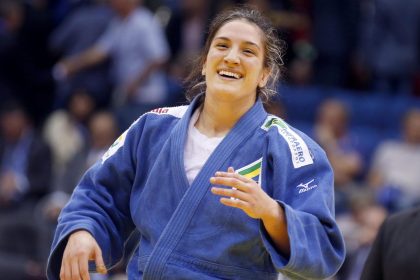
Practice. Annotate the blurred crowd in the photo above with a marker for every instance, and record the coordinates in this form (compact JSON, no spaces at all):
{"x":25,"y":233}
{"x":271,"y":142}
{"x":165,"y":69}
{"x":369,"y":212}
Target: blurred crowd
{"x":75,"y":73}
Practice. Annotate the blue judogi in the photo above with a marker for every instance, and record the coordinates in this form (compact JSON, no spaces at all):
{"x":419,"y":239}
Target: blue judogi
{"x":186,"y":233}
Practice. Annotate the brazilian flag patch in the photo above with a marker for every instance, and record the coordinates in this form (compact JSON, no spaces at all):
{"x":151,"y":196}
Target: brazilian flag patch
{"x":252,"y":170}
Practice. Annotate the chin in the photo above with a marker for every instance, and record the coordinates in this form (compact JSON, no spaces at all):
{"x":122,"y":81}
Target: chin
{"x":225,"y":95}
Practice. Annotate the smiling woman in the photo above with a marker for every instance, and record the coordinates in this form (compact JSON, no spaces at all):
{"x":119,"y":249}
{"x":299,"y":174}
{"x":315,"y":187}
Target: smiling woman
{"x":269,"y":48}
{"x":222,"y":197}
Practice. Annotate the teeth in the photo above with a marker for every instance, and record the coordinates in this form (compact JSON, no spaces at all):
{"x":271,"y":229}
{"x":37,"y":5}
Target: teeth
{"x":229,"y":74}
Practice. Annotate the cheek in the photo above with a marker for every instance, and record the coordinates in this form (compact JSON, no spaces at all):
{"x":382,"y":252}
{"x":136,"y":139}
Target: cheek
{"x":212,"y":58}
{"x":256,"y":73}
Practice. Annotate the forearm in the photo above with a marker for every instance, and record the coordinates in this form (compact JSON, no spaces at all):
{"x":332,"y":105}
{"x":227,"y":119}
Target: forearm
{"x":83,"y":60}
{"x":276,"y":226}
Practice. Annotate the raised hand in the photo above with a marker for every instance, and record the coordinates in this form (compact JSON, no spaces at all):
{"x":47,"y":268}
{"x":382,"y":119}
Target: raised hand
{"x":244,"y":193}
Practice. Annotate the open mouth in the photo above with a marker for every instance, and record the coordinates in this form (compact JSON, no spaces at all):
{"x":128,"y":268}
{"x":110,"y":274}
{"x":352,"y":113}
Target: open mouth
{"x":229,"y":74}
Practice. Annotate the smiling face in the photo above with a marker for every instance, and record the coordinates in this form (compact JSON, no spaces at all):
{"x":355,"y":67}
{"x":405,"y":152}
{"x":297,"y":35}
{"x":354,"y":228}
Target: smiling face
{"x":234,"y":66}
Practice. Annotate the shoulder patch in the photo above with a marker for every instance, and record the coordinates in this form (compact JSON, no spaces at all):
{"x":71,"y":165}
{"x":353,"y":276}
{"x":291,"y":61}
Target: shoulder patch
{"x":178,"y":111}
{"x":115,"y":146}
{"x":298,"y":148}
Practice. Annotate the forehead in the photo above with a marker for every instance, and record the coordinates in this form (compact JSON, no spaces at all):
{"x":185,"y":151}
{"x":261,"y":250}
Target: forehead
{"x":241,"y":30}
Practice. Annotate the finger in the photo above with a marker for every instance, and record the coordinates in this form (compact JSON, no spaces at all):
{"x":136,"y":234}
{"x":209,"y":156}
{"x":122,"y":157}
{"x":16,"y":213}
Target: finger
{"x":66,"y":268}
{"x":230,"y":182}
{"x":232,"y":175}
{"x":232,"y":193}
{"x":64,"y":272}
{"x":75,"y":274}
{"x":100,"y":265}
{"x":236,"y":203}
{"x":231,"y":170}
{"x":84,"y":268}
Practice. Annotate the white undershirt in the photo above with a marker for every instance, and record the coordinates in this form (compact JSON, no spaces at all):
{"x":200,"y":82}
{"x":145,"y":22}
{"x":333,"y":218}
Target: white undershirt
{"x":198,"y":148}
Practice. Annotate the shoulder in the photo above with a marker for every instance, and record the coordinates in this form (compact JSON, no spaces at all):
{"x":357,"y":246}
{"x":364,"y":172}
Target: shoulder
{"x":302,"y":148}
{"x":143,"y":15}
{"x":404,"y":218}
{"x":165,"y":116}
{"x":177,"y":112}
{"x":390,"y":145}
{"x":158,"y":122}
{"x":389,"y":148}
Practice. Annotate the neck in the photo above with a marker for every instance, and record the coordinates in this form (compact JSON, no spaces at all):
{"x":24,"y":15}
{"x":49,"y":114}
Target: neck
{"x":127,"y":12}
{"x":217,"y":118}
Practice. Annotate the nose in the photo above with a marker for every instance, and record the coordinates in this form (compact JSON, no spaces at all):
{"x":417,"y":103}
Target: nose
{"x":232,"y":57}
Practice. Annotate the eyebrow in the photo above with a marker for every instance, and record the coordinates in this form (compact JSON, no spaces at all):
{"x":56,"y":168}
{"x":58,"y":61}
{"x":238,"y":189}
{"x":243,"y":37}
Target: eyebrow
{"x":246,"y":42}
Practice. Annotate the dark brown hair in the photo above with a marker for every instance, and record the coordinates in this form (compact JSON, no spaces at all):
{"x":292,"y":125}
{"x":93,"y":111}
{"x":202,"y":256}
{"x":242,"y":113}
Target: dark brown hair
{"x":195,"y":82}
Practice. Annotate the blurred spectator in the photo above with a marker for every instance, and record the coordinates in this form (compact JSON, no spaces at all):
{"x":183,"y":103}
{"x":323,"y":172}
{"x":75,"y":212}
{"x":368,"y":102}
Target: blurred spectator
{"x":395,"y":253}
{"x":25,"y":174}
{"x":103,"y":130}
{"x":75,"y":34}
{"x":395,"y":168}
{"x":332,"y":133}
{"x":393,"y":53}
{"x":360,"y":227}
{"x":21,"y":151}
{"x":66,"y":130}
{"x":136,"y":43}
{"x":301,"y":71}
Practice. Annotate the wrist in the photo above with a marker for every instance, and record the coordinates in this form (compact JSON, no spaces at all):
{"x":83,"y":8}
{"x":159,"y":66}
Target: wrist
{"x":274,"y":213}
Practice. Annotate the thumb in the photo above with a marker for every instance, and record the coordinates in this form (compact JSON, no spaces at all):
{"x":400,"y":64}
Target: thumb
{"x":100,"y":265}
{"x":231,"y":170}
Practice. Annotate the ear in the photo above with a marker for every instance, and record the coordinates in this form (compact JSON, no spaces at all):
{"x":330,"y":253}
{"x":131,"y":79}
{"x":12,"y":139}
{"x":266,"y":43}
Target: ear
{"x":203,"y":71}
{"x":264,"y":77}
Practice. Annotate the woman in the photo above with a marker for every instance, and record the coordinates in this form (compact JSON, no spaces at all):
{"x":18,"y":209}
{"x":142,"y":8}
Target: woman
{"x":216,"y":189}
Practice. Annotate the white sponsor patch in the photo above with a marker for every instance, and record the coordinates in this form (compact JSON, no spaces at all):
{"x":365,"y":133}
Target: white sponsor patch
{"x":298,"y":148}
{"x":115,"y":146}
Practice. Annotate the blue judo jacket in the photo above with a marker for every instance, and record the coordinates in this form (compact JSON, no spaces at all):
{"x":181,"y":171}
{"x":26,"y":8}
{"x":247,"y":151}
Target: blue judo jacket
{"x":185,"y":232}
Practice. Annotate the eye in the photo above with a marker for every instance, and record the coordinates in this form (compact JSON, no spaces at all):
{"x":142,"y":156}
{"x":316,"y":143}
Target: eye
{"x":249,"y":51}
{"x":222,"y":46}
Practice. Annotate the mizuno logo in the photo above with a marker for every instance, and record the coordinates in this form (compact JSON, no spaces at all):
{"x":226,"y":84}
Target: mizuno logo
{"x":306,"y":187}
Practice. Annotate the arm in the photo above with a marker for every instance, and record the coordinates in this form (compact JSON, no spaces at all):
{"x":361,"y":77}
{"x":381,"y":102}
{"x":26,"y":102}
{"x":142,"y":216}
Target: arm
{"x":306,"y":194}
{"x":275,"y":224}
{"x":76,"y":63}
{"x":375,"y":177}
{"x":297,"y":228}
{"x":99,"y":208}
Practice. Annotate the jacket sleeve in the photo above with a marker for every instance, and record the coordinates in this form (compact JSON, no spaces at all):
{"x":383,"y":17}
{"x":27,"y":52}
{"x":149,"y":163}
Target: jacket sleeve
{"x":306,"y":194}
{"x":100,"y":202}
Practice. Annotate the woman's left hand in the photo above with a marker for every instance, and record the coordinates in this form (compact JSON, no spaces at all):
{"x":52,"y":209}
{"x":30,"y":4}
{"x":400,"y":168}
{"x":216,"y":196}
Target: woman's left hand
{"x":244,"y":193}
